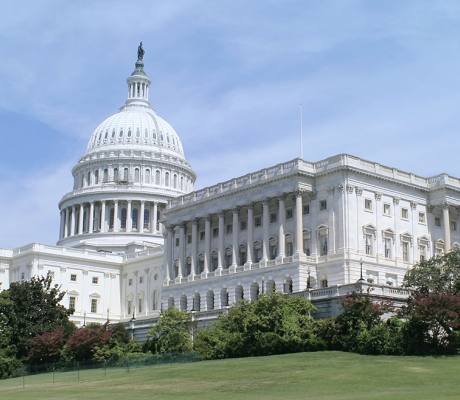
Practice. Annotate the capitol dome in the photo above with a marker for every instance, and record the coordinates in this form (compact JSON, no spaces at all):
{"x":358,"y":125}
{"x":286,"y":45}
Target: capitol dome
{"x":133,"y":166}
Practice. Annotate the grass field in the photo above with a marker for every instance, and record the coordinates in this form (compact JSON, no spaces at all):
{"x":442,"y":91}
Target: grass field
{"x":324,"y":375}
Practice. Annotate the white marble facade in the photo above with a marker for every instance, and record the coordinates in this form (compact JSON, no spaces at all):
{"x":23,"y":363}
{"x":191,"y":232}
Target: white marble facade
{"x":134,"y":236}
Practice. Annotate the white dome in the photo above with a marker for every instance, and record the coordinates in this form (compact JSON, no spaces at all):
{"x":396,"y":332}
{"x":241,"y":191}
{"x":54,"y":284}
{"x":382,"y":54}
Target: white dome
{"x":135,"y":127}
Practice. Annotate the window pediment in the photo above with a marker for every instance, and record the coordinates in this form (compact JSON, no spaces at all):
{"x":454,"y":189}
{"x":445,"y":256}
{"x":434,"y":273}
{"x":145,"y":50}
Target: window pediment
{"x":322,"y":230}
{"x":273,"y":241}
{"x":306,"y":234}
{"x":407,"y":237}
{"x":95,"y":294}
{"x":424,"y":241}
{"x":370,"y":229}
{"x":388,"y":234}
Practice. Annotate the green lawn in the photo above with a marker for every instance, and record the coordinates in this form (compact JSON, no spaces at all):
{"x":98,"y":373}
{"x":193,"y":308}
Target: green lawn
{"x":324,"y":375}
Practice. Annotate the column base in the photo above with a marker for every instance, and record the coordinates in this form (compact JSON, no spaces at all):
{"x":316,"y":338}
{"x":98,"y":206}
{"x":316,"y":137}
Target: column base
{"x":247,"y":266}
{"x":263,"y":263}
{"x":299,"y":257}
{"x":279,"y":260}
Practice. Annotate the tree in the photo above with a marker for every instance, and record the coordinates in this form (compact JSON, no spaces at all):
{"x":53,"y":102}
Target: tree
{"x":170,"y":334}
{"x":8,"y":361}
{"x":46,"y":347}
{"x":34,"y":310}
{"x":84,"y":342}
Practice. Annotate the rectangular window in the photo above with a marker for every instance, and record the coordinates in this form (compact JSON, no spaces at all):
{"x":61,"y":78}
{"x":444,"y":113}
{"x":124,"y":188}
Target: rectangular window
{"x":369,"y":245}
{"x":368,"y":204}
{"x":73,"y":277}
{"x":23,"y":275}
{"x":273,"y":252}
{"x":388,"y":248}
{"x":177,"y":242}
{"x":453,"y":225}
{"x":130,"y":282}
{"x":71,"y":303}
{"x":405,"y":248}
{"x":140,"y":306}
{"x":243,"y":225}
{"x":323,"y":245}
{"x":289,"y":213}
{"x":257,"y":221}
{"x":189,"y":239}
{"x":130,"y":306}
{"x":306,"y":209}
{"x":421,"y":218}
{"x":386,"y":209}
{"x":422,"y":253}
{"x":273,"y":218}
{"x":94,"y":305}
{"x":95,"y":280}
{"x":437,"y":222}
{"x":322,"y":205}
{"x":202,"y":235}
{"x":404,"y":213}
{"x":289,"y":249}
{"x":141,"y":279}
{"x":215,"y":232}
{"x":229,"y":229}
{"x":306,"y":247}
{"x":51,"y":274}
{"x":323,"y":283}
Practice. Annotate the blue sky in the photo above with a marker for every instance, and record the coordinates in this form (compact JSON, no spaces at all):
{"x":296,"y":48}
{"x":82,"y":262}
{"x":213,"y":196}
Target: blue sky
{"x":379,"y":80}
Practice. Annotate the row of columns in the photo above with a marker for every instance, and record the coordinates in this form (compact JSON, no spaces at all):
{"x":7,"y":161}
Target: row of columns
{"x":138,"y":90}
{"x":235,"y":236}
{"x":69,"y":214}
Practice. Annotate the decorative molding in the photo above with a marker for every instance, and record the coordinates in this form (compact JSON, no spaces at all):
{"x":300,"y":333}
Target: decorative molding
{"x":2,"y":270}
{"x":85,"y":272}
{"x":330,"y":190}
{"x":413,"y":204}
{"x":40,"y":266}
{"x":313,"y":195}
{"x":341,"y":188}
{"x":250,"y":205}
{"x":350,"y":188}
{"x":358,"y":190}
{"x":430,"y":208}
{"x":235,"y":209}
{"x":106,"y":275}
{"x":282,"y":197}
{"x":265,"y":201}
{"x":378,"y":196}
{"x":63,"y":269}
{"x":396,"y":200}
{"x":445,"y":205}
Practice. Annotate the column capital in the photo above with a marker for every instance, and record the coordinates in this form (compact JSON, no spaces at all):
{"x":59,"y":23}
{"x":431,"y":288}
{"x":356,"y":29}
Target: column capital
{"x":142,"y":201}
{"x":129,"y":201}
{"x":396,"y":200}
{"x":103,"y":201}
{"x":413,"y":204}
{"x":358,"y":190}
{"x":341,"y":188}
{"x":235,"y":209}
{"x":115,"y":201}
{"x":378,"y":196}
{"x":313,"y":195}
{"x":330,"y":190}
{"x":282,"y":197}
{"x":169,"y":228}
{"x":445,"y":205}
{"x":195,"y":221}
{"x":182,"y":224}
{"x":221,"y":213}
{"x":250,"y":205}
{"x":349,"y":188}
{"x":430,"y":208}
{"x":208,"y":217}
{"x":299,"y":192}
{"x":265,"y":201}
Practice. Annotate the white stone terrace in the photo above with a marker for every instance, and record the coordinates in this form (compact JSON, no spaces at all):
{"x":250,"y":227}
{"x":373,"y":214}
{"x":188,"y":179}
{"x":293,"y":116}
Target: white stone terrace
{"x":314,"y":168}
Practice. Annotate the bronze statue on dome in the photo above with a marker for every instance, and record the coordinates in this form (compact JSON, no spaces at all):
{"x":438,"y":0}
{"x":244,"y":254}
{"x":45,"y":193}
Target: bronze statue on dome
{"x":140,"y":53}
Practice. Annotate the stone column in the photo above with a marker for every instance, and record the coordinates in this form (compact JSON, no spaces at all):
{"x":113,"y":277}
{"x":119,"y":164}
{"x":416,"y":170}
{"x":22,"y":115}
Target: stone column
{"x":153,"y":228}
{"x":250,"y":228}
{"x":129,"y":222}
{"x":147,"y":291}
{"x":181,"y":248}
{"x":80,"y":220}
{"x":207,"y":243}
{"x":141,"y":217}
{"x":67,"y":224}
{"x":115,"y":216}
{"x":123,"y":294}
{"x":220,"y":254}
{"x":265,"y":224}
{"x":194,"y":260}
{"x":170,"y":231}
{"x":167,"y":248}
{"x":61,"y":225}
{"x":235,"y":230}
{"x":103,"y":216}
{"x":281,"y":222}
{"x":91,"y":216}
{"x":72,"y":222}
{"x":298,"y":222}
{"x":446,"y":225}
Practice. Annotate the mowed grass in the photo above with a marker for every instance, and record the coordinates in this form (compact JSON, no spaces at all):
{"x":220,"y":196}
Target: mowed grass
{"x":324,"y":375}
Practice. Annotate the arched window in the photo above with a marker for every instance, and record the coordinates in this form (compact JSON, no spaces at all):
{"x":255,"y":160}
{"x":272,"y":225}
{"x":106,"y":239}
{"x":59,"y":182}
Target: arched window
{"x":123,"y":218}
{"x":85,"y":222}
{"x":135,"y":217}
{"x":129,"y":133}
{"x":111,"y":218}
{"x":106,"y":134}
{"x":157,"y":177}
{"x":136,"y":175}
{"x":146,"y":134}
{"x":182,"y":183}
{"x":138,"y":133}
{"x":154,"y":134}
{"x":167,"y":179}
{"x":100,"y":219}
{"x":115,"y":174}
{"x":113,"y":133}
{"x":106,"y":175}
{"x":96,"y":177}
{"x":175,"y":181}
{"x":125,"y":174}
{"x":83,"y":180}
{"x":146,"y":219}
{"x":147,"y":176}
{"x":121,"y":133}
{"x":89,"y":178}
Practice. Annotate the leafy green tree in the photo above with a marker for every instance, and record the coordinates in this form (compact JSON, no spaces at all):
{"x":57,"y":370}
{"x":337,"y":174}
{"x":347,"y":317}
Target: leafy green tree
{"x":170,"y":334}
{"x":34,"y":310}
{"x":8,"y":361}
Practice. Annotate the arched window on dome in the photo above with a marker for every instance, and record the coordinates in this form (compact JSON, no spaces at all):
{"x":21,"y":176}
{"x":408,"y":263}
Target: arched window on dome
{"x":135,"y":218}
{"x":129,"y":133}
{"x":175,"y":181}
{"x":106,"y":175}
{"x":96,"y":177}
{"x":106,"y":134}
{"x":125,"y":174}
{"x":123,"y":218}
{"x":154,"y":134}
{"x":138,"y":133}
{"x":115,"y":174}
{"x":83,"y":180}
{"x":147,"y":176}
{"x":167,"y":179}
{"x":85,"y":222}
{"x":136,"y":175}
{"x":113,"y":134}
{"x":100,"y":136}
{"x":111,"y":218}
{"x":167,"y":137}
{"x":89,"y":178}
{"x":174,"y":142}
{"x":182,"y":183}
{"x":146,"y":134}
{"x":157,"y":177}
{"x":146,"y":219}
{"x":161,"y":136}
{"x":120,"y":135}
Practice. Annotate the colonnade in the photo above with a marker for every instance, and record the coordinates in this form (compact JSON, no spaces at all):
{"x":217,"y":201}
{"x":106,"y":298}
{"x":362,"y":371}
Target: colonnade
{"x":138,"y":90}
{"x":110,"y":216}
{"x":179,"y":232}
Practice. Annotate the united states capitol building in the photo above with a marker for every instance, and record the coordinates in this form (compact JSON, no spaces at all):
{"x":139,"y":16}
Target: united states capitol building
{"x":135,"y":237}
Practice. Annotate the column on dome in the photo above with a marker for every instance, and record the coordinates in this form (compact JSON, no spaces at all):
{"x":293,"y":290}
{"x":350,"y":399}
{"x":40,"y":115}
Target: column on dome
{"x":62,"y":224}
{"x":194,"y":245}
{"x":128,"y":217}
{"x":207,"y":243}
{"x":446,"y":225}
{"x":103,"y":216}
{"x":281,"y":222}
{"x":265,"y":224}
{"x":115,"y":215}
{"x":80,"y":220}
{"x":298,"y":221}
{"x":220,"y":254}
{"x":72,"y":222}
{"x":153,"y":228}
{"x":67,"y":224}
{"x":91,"y":217}
{"x":235,"y":247}
{"x":141,"y":217}
{"x":250,"y":250}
